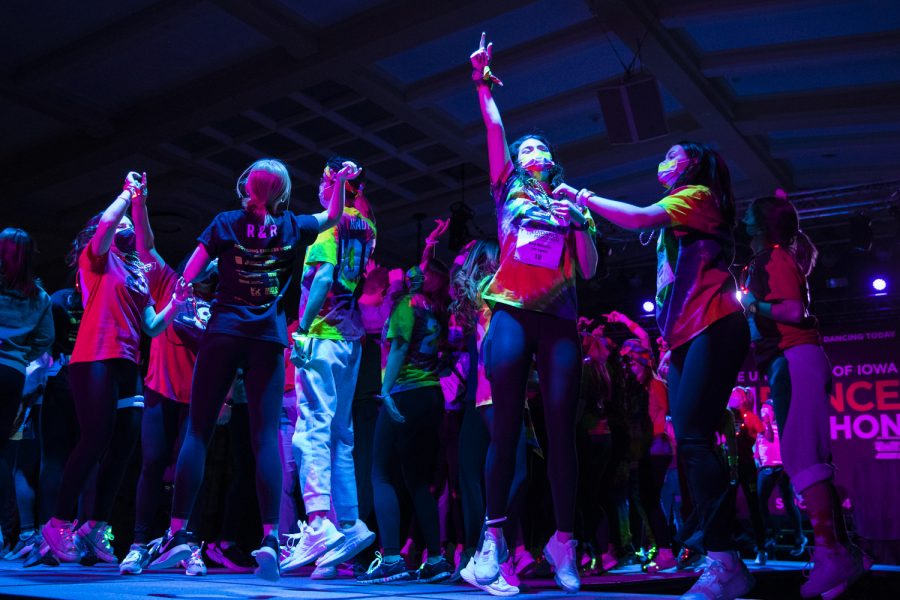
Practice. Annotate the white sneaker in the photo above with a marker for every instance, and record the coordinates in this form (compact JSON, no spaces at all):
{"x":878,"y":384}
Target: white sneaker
{"x":194,"y":565}
{"x":487,"y":558}
{"x":324,"y":573}
{"x":356,"y":539}
{"x":499,"y":587}
{"x":561,"y":557}
{"x":720,"y":583}
{"x":310,"y":544}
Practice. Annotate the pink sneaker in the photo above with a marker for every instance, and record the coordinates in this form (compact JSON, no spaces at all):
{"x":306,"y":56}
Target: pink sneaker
{"x":834,"y":570}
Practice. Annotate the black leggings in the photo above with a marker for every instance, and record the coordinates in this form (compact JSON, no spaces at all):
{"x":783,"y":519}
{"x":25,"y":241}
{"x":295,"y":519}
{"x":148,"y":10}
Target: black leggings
{"x":96,"y":387}
{"x":218,"y":359}
{"x":27,"y":469}
{"x":12,"y":381}
{"x":701,"y":376}
{"x":515,"y":336}
{"x":768,"y":478}
{"x":162,"y":426}
{"x":239,"y":498}
{"x":59,"y":434}
{"x":474,"y":438}
{"x":413,"y":445}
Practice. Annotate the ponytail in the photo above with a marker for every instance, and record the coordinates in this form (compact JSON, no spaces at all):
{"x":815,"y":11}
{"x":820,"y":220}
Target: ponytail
{"x":805,"y":253}
{"x":265,"y":188}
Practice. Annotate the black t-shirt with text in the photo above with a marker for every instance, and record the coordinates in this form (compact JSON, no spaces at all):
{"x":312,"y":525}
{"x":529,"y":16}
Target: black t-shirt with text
{"x":257,"y":262}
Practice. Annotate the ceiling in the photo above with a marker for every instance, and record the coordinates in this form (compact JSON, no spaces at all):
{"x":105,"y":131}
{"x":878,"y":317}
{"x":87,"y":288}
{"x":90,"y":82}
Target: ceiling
{"x":802,"y":95}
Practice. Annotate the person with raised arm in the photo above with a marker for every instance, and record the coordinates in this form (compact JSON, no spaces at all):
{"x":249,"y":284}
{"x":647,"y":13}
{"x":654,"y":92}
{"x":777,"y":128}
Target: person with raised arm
{"x":259,"y":248}
{"x":545,"y":242}
{"x":327,"y":354}
{"x":701,"y":320}
{"x":103,"y":369}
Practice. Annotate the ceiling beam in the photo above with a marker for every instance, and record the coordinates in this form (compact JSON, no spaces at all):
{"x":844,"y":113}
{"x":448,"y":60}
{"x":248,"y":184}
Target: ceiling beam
{"x":688,"y":12}
{"x":388,"y":28}
{"x":553,"y":48}
{"x":819,"y":108}
{"x":766,"y":58}
{"x":100,"y":41}
{"x":636,"y":25}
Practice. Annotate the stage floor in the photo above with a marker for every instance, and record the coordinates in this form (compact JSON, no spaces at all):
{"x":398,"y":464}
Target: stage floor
{"x":776,"y":580}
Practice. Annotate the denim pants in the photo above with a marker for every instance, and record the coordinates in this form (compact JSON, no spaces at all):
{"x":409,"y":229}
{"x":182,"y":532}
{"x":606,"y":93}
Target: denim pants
{"x":323,"y":437}
{"x":287,"y":515}
{"x":802,"y":413}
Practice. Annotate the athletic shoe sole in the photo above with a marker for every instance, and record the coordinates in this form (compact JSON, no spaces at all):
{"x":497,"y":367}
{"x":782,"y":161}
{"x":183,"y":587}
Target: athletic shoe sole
{"x":267,"y":560}
{"x":436,"y":578}
{"x":469,"y":578}
{"x":556,"y":578}
{"x":169,"y":559}
{"x":338,"y":554}
{"x":396,"y":577}
{"x":317,"y":551}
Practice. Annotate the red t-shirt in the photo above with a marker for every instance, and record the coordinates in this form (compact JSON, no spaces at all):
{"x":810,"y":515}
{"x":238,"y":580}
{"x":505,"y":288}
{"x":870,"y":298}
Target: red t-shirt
{"x":173,"y":353}
{"x":114,"y":297}
{"x":694,"y":287}
{"x":773,"y":276}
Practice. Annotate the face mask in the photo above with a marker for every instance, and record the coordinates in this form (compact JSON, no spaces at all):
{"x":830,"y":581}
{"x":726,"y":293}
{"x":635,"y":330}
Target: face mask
{"x":669,"y":171}
{"x":536,"y":160}
{"x":125,"y":241}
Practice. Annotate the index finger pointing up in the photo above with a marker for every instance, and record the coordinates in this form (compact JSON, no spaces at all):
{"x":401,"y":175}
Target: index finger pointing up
{"x":481,"y":44}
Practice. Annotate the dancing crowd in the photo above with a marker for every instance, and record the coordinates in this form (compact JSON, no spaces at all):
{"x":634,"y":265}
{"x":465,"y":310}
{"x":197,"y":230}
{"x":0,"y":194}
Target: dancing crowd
{"x":451,"y":408}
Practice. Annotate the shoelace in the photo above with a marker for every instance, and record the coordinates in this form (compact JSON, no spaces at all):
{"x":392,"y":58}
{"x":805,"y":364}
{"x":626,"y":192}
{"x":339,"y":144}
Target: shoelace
{"x":373,"y":566}
{"x":196,"y":555}
{"x":68,"y":533}
{"x":711,"y":572}
{"x":107,"y":538}
{"x":807,"y":568}
{"x":294,"y":538}
{"x":133,"y":556}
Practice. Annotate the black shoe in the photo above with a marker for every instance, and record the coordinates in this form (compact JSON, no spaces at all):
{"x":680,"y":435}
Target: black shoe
{"x":464,"y":557}
{"x":382,"y":572}
{"x":41,"y":555}
{"x":231,"y":557}
{"x":433,"y":572}
{"x":687,"y":559}
{"x":173,"y":549}
{"x":267,"y":557}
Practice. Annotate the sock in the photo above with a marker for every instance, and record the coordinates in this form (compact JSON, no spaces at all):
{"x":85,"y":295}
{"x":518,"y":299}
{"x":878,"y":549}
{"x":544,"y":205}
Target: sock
{"x":390,"y":559}
{"x":347,"y":524}
{"x":434,"y":559}
{"x":821,"y":509}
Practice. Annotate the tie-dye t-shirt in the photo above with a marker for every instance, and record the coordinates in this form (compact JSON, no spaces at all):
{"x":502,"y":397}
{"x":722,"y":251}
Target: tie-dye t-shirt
{"x":694,"y":287}
{"x":256,"y":265}
{"x":348,"y":246}
{"x":413,"y":320}
{"x":522,"y":207}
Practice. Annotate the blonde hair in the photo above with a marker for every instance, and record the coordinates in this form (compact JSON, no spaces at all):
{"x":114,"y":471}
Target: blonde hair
{"x":265,"y":188}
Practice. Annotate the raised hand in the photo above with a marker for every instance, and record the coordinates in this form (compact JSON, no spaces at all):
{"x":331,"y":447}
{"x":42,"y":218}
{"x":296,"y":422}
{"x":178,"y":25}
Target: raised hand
{"x":349,"y":171}
{"x":481,"y":58}
{"x":616,"y":317}
{"x":441,"y":226}
{"x":481,"y":63}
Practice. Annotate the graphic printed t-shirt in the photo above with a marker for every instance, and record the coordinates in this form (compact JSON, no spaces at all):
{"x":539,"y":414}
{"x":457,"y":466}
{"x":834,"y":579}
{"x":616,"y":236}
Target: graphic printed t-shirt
{"x":256,"y":265}
{"x":114,"y":295}
{"x":523,"y":215}
{"x":348,"y":246}
{"x":413,"y":320}
{"x":173,"y":353}
{"x":773,"y":276}
{"x":694,"y":287}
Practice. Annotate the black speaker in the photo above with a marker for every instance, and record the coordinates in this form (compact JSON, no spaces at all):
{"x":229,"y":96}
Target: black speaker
{"x":633,"y":110}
